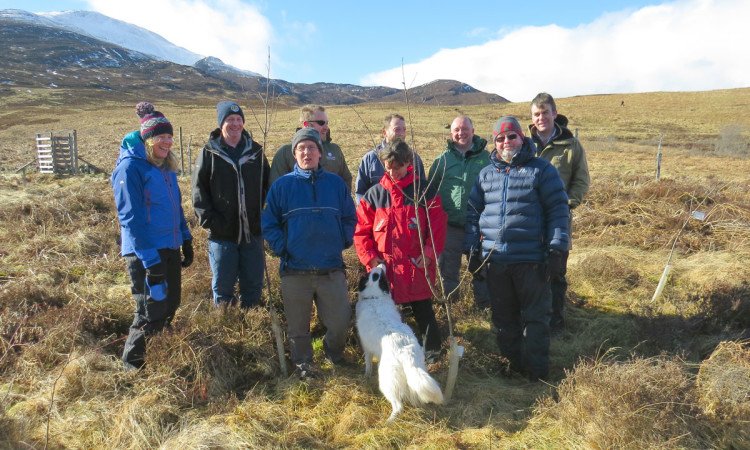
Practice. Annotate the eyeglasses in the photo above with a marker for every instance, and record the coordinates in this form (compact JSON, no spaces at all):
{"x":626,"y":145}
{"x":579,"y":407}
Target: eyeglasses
{"x":162,"y":138}
{"x":509,"y":137}
{"x":319,"y":122}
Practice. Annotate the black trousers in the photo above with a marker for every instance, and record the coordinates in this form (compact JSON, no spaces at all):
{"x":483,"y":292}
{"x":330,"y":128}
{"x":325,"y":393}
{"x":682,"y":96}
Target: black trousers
{"x":559,"y":286}
{"x":521,"y":308}
{"x":151,"y":316}
{"x":424,"y":315}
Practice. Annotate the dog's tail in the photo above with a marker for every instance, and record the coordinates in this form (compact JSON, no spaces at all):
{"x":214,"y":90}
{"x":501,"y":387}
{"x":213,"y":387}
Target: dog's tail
{"x":422,"y":387}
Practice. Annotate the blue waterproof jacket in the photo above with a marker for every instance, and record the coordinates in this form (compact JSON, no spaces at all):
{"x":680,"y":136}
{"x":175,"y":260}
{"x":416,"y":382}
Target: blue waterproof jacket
{"x":518,"y":211}
{"x":149,"y":204}
{"x":309,"y":220}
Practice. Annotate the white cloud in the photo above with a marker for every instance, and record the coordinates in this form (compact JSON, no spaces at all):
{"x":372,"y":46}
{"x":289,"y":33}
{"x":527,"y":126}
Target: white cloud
{"x":230,"y":30}
{"x":682,"y":45}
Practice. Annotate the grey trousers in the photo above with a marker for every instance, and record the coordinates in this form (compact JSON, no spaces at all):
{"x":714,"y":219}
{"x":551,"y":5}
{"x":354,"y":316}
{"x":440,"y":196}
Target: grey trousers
{"x":330,"y":294}
{"x":450,"y":268}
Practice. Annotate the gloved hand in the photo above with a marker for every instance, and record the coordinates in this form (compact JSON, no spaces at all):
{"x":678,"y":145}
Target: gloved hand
{"x":554,"y":263}
{"x":187,"y":253}
{"x":475,"y":263}
{"x":156,"y":279}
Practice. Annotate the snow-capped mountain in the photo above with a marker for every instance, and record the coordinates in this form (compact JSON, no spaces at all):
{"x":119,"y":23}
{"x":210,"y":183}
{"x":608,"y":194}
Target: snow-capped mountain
{"x":121,"y":33}
{"x":114,"y":31}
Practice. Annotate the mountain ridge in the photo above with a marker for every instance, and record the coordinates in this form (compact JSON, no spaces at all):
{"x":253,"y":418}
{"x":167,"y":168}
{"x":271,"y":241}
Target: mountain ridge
{"x":59,"y":51}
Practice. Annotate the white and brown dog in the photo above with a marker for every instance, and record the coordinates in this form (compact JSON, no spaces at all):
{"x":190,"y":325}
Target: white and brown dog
{"x":402,"y":374}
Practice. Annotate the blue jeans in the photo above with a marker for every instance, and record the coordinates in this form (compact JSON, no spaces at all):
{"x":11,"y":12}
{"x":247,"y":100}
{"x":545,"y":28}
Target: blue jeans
{"x":231,"y":262}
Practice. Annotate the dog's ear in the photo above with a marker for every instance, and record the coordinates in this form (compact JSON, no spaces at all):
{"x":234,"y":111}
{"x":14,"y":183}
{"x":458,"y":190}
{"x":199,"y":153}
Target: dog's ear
{"x":363,"y":282}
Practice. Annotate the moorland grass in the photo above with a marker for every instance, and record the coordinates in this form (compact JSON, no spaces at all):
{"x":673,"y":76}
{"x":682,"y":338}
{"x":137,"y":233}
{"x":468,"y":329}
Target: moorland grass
{"x":628,"y":372}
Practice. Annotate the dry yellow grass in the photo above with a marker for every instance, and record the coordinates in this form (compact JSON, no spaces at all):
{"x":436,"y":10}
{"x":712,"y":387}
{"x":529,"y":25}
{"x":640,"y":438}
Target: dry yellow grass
{"x":624,"y":375}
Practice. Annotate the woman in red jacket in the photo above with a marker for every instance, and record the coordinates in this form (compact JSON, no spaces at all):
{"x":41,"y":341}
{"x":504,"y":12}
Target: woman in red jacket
{"x":400,"y":222}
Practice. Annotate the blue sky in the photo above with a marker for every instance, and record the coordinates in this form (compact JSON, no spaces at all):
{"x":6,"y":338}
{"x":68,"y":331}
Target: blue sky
{"x":514,"y":49}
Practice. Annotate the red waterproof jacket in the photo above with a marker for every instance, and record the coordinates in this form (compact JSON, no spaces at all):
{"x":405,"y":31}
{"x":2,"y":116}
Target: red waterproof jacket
{"x":391,"y":227}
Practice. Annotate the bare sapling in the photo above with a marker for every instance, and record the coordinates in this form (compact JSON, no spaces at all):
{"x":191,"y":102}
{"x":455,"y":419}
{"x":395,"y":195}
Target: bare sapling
{"x":455,"y":351}
{"x":268,"y":104}
{"x":668,"y":266}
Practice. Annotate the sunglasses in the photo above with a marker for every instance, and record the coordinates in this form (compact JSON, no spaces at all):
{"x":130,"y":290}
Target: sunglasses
{"x":509,"y":137}
{"x":319,"y":122}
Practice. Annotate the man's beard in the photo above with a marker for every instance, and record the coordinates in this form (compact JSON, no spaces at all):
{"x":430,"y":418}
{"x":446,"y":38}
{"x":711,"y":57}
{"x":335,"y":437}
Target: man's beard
{"x":507,"y":155}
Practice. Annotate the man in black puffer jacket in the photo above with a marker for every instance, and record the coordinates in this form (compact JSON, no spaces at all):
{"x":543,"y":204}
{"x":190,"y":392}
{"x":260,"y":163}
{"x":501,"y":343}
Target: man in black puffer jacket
{"x":517,"y":219}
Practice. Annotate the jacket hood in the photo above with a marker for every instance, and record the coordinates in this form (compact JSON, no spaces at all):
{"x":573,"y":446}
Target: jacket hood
{"x":402,"y":183}
{"x":132,"y":147}
{"x":478,"y":144}
{"x":214,"y":142}
{"x":527,"y":152}
{"x":307,"y":174}
{"x":561,"y":124}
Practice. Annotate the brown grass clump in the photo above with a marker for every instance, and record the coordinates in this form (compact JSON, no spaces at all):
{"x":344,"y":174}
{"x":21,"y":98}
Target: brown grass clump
{"x":643,"y":403}
{"x":723,"y":389}
{"x":223,"y":352}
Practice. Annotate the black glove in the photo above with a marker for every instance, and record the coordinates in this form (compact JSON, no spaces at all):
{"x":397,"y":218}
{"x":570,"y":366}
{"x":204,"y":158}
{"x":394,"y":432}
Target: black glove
{"x":187,"y":253}
{"x":475,"y":263}
{"x":554,"y":263}
{"x":156,"y":274}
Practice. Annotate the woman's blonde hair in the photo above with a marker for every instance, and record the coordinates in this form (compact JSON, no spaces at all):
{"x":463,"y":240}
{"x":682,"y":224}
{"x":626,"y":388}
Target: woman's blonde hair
{"x":170,"y":163}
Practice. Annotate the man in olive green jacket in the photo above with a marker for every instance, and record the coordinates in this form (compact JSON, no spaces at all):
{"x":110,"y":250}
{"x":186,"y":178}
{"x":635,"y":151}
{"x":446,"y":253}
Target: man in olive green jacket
{"x":556,"y":144}
{"x":313,"y":116}
{"x":454,"y":173}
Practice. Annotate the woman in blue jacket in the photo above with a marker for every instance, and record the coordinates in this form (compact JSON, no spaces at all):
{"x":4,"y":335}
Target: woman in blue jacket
{"x":152,"y":226}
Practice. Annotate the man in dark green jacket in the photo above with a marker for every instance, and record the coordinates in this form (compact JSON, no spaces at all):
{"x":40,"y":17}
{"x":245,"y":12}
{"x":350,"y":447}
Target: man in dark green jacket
{"x":454,"y":172}
{"x":556,"y":144}
{"x":315,"y":117}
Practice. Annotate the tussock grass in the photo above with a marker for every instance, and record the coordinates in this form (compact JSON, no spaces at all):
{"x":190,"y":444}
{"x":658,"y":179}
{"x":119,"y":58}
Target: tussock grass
{"x":723,"y":389}
{"x":642,"y":403}
{"x":628,"y":372}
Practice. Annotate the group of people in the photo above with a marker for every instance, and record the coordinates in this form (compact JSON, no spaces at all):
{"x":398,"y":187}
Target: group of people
{"x":507,"y":210}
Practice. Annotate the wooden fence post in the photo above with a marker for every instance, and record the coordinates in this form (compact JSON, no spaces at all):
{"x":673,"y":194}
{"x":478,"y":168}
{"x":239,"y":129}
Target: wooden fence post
{"x":182,"y":159}
{"x":658,"y":158}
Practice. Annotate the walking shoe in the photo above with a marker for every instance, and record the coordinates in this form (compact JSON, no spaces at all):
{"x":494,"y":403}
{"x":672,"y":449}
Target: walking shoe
{"x":305,"y":371}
